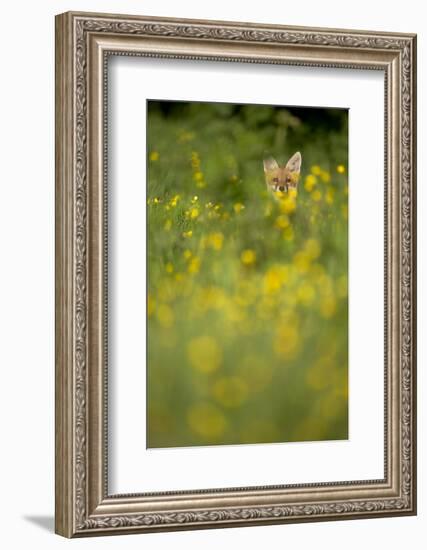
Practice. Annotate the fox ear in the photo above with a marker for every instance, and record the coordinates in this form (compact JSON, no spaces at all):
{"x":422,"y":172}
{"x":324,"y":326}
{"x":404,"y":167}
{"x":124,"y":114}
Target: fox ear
{"x":294,"y":163}
{"x":270,"y":164}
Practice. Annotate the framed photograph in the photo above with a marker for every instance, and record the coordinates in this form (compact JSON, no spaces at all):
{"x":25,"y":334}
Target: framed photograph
{"x":235,"y":274}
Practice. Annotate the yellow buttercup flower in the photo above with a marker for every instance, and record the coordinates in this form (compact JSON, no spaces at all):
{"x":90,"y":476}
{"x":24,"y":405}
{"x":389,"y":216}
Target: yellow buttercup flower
{"x":238,"y":207}
{"x":194,"y":265}
{"x":282,"y":221}
{"x":306,"y":294}
{"x":230,"y":391}
{"x":325,"y":176}
{"x":302,"y":261}
{"x":206,"y":420}
{"x":165,"y":315}
{"x":193,"y":213}
{"x":286,"y":341}
{"x":329,"y":198}
{"x":174,"y":201}
{"x":204,"y":354}
{"x":154,"y":155}
{"x":215,"y":240}
{"x":341,"y":169}
{"x":288,"y":205}
{"x":310,"y":182}
{"x":275,"y":277}
{"x":316,"y":195}
{"x":312,"y":248}
{"x":328,"y":307}
{"x":248,"y":257}
{"x":288,"y":233}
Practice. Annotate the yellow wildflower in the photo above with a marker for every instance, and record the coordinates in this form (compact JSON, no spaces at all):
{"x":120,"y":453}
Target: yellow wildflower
{"x":154,"y":155}
{"x":310,"y":182}
{"x":288,"y":233}
{"x":275,"y":277}
{"x":325,"y":176}
{"x":328,"y":307}
{"x":230,"y":391}
{"x":329,"y":198}
{"x":282,"y":221}
{"x":204,"y":354}
{"x":165,"y":315}
{"x":316,"y":195}
{"x":206,"y":420}
{"x":306,"y":294}
{"x":248,"y":257}
{"x":195,"y":160}
{"x":238,"y":207}
{"x":340,"y":168}
{"x":288,"y":205}
{"x":187,"y":234}
{"x":194,"y":265}
{"x":193,"y":213}
{"x":173,"y":202}
{"x":215,"y":240}
{"x":286,"y":341}
{"x":312,"y":248}
{"x":302,"y":261}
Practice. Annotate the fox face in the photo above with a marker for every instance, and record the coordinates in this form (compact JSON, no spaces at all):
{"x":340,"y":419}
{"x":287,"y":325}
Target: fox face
{"x":282,"y":179}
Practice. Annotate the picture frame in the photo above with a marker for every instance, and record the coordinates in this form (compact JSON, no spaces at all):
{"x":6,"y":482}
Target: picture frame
{"x":84,"y":42}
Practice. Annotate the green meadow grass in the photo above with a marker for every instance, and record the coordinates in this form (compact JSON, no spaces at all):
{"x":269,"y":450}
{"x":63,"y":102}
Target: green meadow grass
{"x":247,"y":296}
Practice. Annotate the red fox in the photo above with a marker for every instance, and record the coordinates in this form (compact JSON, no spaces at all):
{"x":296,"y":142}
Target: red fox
{"x":281,"y":180}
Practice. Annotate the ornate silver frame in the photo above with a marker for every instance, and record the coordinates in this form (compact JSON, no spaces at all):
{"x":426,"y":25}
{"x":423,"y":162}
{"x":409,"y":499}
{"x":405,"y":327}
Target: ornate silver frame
{"x":83,"y":42}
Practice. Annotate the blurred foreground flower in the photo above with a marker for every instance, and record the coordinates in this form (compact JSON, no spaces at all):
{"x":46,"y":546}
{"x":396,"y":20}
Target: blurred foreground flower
{"x":230,"y":391}
{"x":206,"y":420}
{"x":286,"y":341}
{"x":204,"y":354}
{"x":215,"y":240}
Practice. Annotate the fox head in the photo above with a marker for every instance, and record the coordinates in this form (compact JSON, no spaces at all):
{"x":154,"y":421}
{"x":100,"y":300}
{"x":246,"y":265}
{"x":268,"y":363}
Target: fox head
{"x":282,"y":179}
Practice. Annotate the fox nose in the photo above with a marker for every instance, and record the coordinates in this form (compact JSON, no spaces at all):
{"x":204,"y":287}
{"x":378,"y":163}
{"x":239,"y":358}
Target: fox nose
{"x":281,"y":188}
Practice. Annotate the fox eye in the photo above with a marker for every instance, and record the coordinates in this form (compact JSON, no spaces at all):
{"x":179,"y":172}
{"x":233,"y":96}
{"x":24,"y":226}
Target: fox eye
{"x":275,"y":180}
